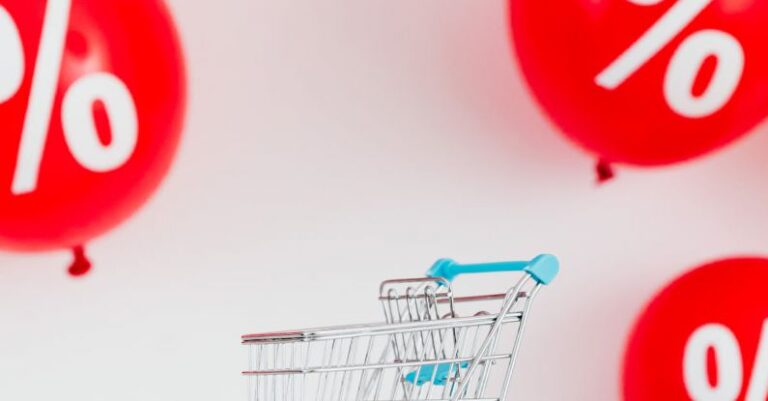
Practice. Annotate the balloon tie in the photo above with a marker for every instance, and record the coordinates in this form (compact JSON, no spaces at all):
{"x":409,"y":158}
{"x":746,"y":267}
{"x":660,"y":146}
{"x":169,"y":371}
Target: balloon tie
{"x":80,"y":265}
{"x":604,"y":171}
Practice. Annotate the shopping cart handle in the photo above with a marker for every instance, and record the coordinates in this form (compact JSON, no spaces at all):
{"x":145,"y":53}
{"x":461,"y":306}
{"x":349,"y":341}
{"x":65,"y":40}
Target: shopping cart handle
{"x":543,"y":268}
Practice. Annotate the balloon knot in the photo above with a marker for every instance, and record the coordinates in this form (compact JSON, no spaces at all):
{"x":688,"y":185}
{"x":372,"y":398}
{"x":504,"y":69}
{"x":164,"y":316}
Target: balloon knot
{"x":80,"y":265}
{"x":604,"y":171}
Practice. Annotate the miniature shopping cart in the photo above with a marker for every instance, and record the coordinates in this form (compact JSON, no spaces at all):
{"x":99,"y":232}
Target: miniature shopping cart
{"x":429,"y":348}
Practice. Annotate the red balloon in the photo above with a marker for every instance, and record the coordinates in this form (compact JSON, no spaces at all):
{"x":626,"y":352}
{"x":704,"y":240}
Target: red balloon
{"x":703,"y":338}
{"x":646,"y":82}
{"x":92,"y":98}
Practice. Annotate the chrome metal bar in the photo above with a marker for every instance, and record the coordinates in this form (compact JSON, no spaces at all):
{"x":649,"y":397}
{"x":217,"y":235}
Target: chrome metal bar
{"x":324,"y":369}
{"x":508,"y":305}
{"x":329,"y":333}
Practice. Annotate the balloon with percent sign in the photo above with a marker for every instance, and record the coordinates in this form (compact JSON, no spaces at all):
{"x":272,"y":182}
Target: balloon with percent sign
{"x":646,"y":82}
{"x":92,"y":97}
{"x":704,"y":337}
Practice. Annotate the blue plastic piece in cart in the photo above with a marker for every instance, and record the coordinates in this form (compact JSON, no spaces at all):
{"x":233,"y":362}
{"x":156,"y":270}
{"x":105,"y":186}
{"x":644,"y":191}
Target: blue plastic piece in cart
{"x":543,"y":268}
{"x":438,"y":374}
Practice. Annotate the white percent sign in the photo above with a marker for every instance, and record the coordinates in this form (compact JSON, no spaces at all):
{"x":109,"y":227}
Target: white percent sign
{"x":77,"y":119}
{"x":686,"y":62}
{"x":729,"y":365}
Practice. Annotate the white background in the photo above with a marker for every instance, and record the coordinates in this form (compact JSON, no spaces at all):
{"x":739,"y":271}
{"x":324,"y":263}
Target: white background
{"x":330,"y":145}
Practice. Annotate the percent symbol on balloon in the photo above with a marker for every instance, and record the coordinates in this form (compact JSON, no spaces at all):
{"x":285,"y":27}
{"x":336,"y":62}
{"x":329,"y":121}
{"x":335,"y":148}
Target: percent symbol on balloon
{"x":686,"y":62}
{"x":79,"y":127}
{"x":728,"y":363}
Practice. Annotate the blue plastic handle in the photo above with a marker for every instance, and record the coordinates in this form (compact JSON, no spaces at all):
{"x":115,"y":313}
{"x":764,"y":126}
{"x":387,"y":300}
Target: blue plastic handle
{"x":543,"y":268}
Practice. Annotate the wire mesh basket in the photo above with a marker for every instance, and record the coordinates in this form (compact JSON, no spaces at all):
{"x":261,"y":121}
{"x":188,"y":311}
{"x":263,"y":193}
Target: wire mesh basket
{"x":423,"y":351}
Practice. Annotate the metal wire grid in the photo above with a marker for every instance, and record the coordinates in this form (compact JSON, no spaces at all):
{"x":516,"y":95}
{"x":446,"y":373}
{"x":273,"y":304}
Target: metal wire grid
{"x":416,"y":299}
{"x":422,"y":353}
{"x":369,"y":367}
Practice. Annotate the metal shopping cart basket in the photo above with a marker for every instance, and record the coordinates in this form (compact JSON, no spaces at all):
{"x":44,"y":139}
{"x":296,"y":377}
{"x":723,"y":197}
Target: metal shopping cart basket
{"x":427,"y":349}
